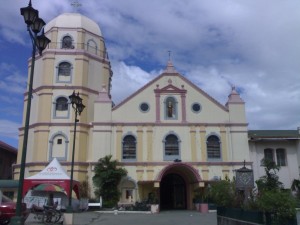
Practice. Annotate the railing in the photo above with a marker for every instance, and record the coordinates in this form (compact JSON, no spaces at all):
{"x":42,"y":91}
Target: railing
{"x":251,"y":217}
{"x":254,"y":217}
{"x":80,"y":46}
{"x":273,"y":219}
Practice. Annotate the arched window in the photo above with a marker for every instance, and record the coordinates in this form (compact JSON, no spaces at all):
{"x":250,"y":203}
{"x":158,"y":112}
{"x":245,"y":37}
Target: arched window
{"x":128,"y":188}
{"x":278,"y":156}
{"x":67,"y":42}
{"x":64,"y":69}
{"x":58,"y":146}
{"x":92,"y":46}
{"x":170,"y":108}
{"x":61,"y":104}
{"x":64,"y":72}
{"x":213,"y":147}
{"x":171,"y":147}
{"x":129,"y":147}
{"x":61,"y":107}
{"x":268,"y":154}
{"x":281,"y":157}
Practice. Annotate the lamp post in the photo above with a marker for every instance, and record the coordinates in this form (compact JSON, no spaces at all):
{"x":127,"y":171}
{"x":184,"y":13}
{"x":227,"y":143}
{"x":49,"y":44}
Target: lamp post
{"x":244,"y":181}
{"x":78,"y":107}
{"x":39,"y":42}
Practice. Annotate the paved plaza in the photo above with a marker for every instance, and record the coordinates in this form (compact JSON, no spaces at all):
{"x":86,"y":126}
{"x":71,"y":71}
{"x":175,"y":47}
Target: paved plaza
{"x":185,"y":217}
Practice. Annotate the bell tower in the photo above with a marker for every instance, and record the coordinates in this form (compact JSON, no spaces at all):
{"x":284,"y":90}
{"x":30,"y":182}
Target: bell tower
{"x":76,"y":60}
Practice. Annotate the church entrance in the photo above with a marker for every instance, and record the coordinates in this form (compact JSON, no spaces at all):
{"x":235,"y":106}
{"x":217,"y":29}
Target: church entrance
{"x":173,"y":192}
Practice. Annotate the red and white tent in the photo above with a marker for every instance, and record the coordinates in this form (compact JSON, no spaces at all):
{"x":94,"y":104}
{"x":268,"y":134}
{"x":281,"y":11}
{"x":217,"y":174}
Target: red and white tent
{"x":53,"y":174}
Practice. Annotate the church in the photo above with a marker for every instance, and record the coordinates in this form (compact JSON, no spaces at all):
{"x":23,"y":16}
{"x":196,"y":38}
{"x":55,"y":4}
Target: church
{"x":171,"y":136}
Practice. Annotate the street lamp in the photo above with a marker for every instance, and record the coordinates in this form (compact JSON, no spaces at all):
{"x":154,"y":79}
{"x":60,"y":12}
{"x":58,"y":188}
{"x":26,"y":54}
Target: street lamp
{"x":78,"y":107}
{"x":39,"y":41}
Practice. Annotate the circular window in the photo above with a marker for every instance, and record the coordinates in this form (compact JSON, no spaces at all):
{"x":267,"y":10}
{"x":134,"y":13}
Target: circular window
{"x":144,"y":107}
{"x":196,"y":107}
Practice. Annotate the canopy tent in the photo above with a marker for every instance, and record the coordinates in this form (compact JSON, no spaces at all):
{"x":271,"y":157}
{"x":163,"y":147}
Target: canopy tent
{"x":53,"y":174}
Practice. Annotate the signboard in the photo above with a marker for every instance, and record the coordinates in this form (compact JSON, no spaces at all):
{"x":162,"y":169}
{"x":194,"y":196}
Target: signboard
{"x":39,"y":201}
{"x":244,"y":179}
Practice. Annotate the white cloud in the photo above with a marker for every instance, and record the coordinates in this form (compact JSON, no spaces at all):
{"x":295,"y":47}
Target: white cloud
{"x":9,"y":129}
{"x":11,"y":79}
{"x":129,"y":79}
{"x":251,"y":44}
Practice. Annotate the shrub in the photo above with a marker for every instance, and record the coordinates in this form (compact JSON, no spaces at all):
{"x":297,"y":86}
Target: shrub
{"x":84,"y":190}
{"x":281,"y":203}
{"x":222,"y":193}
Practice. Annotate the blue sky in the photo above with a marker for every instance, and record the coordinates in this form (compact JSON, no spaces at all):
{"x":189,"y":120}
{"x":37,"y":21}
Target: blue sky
{"x":252,"y":44}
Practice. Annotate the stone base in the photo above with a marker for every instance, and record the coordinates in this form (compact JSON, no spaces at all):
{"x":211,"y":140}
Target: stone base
{"x":155,"y":208}
{"x":68,"y":218}
{"x":17,"y":220}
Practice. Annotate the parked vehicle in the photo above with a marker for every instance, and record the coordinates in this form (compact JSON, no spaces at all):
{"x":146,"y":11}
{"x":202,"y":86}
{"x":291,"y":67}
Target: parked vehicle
{"x":46,"y":214}
{"x":8,"y":210}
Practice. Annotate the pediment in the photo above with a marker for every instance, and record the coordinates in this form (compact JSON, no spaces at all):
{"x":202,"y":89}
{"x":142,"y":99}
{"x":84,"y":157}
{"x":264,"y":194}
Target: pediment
{"x":170,"y":88}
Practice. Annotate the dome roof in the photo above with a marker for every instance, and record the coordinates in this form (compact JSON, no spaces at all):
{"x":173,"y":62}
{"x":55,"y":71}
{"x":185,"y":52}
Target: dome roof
{"x":74,"y":20}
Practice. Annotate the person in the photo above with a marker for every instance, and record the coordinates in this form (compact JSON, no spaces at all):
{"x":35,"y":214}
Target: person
{"x":50,"y":201}
{"x":36,"y":208}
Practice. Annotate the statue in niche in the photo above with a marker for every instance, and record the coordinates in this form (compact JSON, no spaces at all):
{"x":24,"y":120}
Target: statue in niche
{"x":170,"y":109}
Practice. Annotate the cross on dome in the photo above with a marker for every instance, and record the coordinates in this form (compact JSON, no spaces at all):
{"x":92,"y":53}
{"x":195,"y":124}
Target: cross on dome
{"x":234,"y":96}
{"x":170,"y":67}
{"x":76,"y":5}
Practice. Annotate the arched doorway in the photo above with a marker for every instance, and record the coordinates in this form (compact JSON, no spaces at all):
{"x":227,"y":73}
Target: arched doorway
{"x":173,"y":192}
{"x":177,"y":183}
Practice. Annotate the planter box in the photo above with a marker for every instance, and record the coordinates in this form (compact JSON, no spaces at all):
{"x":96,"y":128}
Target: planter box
{"x":84,"y":204}
{"x":203,"y":208}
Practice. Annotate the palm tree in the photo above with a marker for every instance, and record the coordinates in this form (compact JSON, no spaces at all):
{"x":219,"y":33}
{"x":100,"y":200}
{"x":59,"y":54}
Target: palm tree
{"x":106,"y":180}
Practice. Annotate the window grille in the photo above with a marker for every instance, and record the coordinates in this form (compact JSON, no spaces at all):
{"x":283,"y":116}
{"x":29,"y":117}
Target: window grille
{"x":129,"y":147}
{"x":268,"y":154}
{"x":171,"y":145}
{"x":281,"y":157}
{"x":61,"y":104}
{"x":64,"y":69}
{"x":67,"y":42}
{"x":213,"y":147}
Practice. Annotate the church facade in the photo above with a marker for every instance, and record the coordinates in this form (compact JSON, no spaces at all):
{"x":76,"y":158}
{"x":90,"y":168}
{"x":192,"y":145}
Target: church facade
{"x":170,"y":135}
{"x":171,"y":132}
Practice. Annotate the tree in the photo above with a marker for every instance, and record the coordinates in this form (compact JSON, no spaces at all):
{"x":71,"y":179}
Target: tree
{"x":272,"y":198}
{"x":222,"y":192}
{"x":84,"y":190}
{"x":106,"y":180}
{"x":270,"y":181}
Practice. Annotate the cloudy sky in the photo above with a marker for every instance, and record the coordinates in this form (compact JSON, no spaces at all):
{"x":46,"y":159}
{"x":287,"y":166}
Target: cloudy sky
{"x":251,"y":44}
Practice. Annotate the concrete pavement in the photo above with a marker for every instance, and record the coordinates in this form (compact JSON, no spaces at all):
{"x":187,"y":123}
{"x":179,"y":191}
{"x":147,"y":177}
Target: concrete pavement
{"x":133,"y":218}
